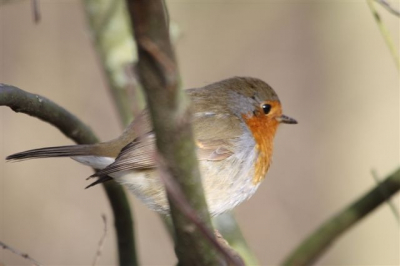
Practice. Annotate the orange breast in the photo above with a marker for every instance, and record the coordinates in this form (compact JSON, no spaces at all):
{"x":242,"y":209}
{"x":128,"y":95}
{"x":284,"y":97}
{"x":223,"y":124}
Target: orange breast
{"x":263,"y":129}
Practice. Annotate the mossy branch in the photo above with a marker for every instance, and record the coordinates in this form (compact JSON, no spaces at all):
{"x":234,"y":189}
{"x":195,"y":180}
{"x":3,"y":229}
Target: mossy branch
{"x":48,"y":111}
{"x":110,"y":31}
{"x":314,"y":246}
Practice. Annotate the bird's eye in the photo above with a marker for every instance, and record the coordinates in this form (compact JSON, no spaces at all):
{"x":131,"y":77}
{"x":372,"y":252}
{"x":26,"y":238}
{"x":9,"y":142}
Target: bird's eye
{"x":266,"y":108}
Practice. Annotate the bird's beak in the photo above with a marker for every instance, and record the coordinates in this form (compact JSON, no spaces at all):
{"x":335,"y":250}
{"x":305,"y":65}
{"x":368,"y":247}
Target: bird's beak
{"x":285,"y":119}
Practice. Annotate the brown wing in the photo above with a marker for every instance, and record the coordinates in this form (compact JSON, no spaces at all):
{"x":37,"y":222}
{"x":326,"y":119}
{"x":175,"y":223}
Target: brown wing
{"x":216,"y":131}
{"x":139,"y":154}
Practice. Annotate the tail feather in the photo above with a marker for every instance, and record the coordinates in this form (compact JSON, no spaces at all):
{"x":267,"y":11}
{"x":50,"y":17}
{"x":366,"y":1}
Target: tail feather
{"x":60,"y":151}
{"x":100,"y":180}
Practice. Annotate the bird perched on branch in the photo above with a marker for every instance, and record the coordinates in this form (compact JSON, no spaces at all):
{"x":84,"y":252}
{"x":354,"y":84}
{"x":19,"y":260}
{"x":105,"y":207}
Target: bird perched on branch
{"x":234,"y":123}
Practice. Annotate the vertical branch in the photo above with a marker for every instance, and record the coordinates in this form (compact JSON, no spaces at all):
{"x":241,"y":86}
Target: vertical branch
{"x":168,"y":106}
{"x":111,"y":37}
{"x":124,"y":224}
{"x":110,"y":32}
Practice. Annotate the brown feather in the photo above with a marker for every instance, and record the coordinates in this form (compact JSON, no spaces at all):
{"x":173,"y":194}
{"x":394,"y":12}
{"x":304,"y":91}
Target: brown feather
{"x":138,"y":154}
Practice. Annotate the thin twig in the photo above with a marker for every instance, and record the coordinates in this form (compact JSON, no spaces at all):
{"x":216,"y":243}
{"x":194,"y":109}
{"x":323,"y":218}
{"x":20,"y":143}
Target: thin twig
{"x":385,"y":193}
{"x":385,"y":33}
{"x":388,"y":7}
{"x":19,"y":253}
{"x":101,"y":242}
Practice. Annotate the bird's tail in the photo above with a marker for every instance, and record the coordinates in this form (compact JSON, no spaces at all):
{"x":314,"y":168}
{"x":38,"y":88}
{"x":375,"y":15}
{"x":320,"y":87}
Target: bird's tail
{"x":59,"y":151}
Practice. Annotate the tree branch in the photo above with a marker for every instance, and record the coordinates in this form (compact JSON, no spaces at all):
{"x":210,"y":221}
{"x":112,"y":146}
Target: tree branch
{"x":315,"y":245}
{"x":168,"y":106}
{"x":101,"y":241}
{"x":385,"y":34}
{"x":388,"y":7}
{"x":110,"y":32}
{"x":391,"y":205}
{"x":19,"y":253}
{"x":48,"y":111}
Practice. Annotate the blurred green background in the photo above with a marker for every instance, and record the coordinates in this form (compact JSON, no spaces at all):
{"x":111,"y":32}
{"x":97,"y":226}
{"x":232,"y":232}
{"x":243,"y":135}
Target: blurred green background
{"x":328,"y":63}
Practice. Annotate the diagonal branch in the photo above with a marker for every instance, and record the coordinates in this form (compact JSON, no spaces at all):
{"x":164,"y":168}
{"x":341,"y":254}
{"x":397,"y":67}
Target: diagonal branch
{"x":19,"y":253}
{"x":317,"y":243}
{"x":391,"y":205}
{"x":385,"y":33}
{"x":388,"y":7}
{"x":48,"y":111}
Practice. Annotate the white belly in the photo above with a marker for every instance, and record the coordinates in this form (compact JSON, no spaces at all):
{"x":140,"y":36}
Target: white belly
{"x":225,"y":188}
{"x":145,"y":185}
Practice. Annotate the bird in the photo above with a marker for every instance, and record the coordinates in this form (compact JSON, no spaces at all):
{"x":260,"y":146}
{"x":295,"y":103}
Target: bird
{"x":234,"y":123}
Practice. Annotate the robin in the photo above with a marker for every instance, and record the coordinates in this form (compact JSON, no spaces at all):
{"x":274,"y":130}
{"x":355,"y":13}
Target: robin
{"x":234,"y":123}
